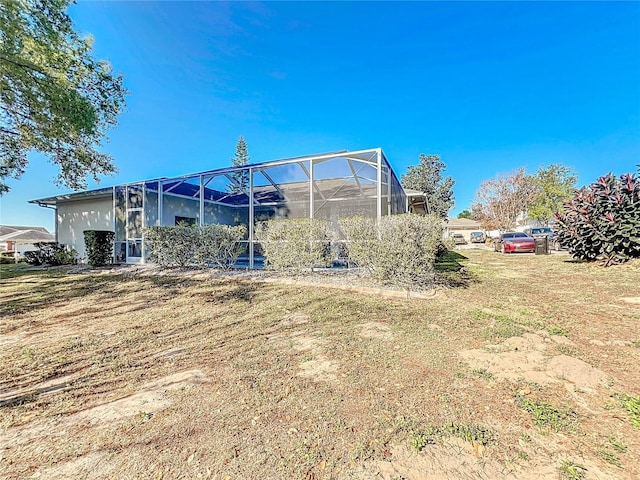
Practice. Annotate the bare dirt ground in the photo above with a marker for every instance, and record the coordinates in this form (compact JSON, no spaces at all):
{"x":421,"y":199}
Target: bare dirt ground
{"x":518,"y":367}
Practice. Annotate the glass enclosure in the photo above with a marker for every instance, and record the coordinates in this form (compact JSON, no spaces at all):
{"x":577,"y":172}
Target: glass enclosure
{"x":325,"y":187}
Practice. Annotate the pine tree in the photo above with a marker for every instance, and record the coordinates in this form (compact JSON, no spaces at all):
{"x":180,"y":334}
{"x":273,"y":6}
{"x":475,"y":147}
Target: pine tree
{"x":241,"y":178}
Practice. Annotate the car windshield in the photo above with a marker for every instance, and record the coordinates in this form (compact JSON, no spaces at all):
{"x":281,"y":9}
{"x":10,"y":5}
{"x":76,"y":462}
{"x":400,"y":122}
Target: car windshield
{"x":540,"y":230}
{"x":515,"y":235}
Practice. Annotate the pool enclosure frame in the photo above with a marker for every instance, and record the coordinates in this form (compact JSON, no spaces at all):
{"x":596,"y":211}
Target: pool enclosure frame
{"x":325,"y":186}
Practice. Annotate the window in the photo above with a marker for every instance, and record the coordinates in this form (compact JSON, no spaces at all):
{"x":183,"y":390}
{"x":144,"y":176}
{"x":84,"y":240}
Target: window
{"x":185,"y":221}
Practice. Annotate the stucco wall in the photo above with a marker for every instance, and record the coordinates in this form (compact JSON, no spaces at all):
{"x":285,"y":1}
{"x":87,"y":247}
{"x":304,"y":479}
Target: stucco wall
{"x":73,"y":218}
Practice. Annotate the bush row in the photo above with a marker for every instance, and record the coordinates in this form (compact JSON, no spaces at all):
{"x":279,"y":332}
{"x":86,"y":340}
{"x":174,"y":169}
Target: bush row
{"x":51,"y":253}
{"x":217,"y":245}
{"x":400,"y":250}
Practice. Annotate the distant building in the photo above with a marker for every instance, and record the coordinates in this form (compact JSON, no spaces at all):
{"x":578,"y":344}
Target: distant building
{"x":463,"y":226}
{"x":20,"y":239}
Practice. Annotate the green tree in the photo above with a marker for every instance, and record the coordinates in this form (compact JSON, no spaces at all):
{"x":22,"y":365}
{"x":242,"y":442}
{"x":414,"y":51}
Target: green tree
{"x":54,"y":97}
{"x":465,"y":214}
{"x":555,"y":185}
{"x":426,"y":177}
{"x":240,"y":178}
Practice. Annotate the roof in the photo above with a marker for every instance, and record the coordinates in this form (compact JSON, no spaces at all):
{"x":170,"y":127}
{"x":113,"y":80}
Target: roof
{"x":70,"y":197}
{"x":462,"y":223}
{"x":270,"y":193}
{"x":38,"y":234}
{"x":5,"y":229}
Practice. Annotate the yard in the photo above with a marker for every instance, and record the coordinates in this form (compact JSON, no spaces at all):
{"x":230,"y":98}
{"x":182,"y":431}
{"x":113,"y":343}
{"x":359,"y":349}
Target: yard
{"x":520,"y":366}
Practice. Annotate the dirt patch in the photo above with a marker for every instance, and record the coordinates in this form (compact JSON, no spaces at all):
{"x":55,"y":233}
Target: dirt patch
{"x":377,"y":330}
{"x":524,"y":357}
{"x":452,"y":459}
{"x":633,"y":300}
{"x":320,"y":369}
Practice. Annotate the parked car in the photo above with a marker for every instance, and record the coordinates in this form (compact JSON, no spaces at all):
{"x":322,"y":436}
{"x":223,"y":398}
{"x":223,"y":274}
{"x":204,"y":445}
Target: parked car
{"x":541,"y":232}
{"x":477,"y":237}
{"x":458,"y":239}
{"x":514,"y":242}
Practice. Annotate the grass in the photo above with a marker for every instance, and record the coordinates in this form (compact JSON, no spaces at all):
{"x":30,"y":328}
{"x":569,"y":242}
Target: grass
{"x":97,"y":355}
{"x":632,"y":406}
{"x":473,"y":434}
{"x":570,"y":470}
{"x":547,"y":416}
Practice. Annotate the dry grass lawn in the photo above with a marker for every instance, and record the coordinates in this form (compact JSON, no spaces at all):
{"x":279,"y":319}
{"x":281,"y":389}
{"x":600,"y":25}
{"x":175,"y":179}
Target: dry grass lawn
{"x":521,"y":366}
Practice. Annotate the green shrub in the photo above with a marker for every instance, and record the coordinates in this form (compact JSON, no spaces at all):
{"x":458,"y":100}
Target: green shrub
{"x":171,"y":246}
{"x":400,"y":251}
{"x":99,"y":247}
{"x":51,"y":253}
{"x":294,"y":243}
{"x":602,"y":222}
{"x":6,"y":259}
{"x":218,"y":245}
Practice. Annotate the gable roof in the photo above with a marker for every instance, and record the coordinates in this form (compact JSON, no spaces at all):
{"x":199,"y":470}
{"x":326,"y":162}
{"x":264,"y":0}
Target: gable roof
{"x":26,"y":234}
{"x":462,"y":223}
{"x":6,"y":229}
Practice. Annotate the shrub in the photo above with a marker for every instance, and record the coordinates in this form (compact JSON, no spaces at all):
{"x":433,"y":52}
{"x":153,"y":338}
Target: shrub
{"x":602,"y":222}
{"x":6,"y":259}
{"x":294,"y":243}
{"x":99,"y":247}
{"x":400,"y":251}
{"x":220,"y":245}
{"x":51,"y":253}
{"x":171,"y":246}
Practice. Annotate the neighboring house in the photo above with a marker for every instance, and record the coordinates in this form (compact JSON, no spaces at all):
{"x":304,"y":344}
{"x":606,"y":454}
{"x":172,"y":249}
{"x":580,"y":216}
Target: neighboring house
{"x":19,"y":239}
{"x":463,"y":226}
{"x":326,"y":186}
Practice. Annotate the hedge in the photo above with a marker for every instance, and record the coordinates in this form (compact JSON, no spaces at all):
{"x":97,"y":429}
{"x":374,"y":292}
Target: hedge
{"x":218,"y":245}
{"x":294,"y":243}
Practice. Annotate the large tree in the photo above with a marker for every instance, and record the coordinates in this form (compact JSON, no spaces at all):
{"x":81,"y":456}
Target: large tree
{"x":555,"y":185}
{"x":426,"y":177}
{"x":500,"y":201}
{"x":240,"y":178}
{"x":55,"y":98}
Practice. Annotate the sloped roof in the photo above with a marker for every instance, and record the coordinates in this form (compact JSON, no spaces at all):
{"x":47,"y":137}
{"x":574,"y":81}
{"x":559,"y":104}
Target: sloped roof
{"x":6,"y":229}
{"x":462,"y":223}
{"x":37,"y":234}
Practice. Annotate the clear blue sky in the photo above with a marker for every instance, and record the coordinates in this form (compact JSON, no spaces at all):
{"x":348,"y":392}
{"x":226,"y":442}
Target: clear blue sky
{"x":487,"y":86}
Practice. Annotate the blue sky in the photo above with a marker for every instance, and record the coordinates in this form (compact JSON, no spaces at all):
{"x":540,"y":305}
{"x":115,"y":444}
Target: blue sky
{"x":488,"y":86}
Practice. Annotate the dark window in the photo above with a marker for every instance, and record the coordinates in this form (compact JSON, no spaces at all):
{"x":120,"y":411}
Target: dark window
{"x":185,"y":221}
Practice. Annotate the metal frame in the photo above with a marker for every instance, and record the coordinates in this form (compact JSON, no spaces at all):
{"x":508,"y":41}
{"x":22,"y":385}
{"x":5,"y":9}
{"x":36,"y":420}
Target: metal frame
{"x":287,"y":194}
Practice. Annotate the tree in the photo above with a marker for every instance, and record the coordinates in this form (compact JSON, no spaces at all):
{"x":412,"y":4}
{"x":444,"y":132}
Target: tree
{"x":465,"y":214}
{"x":240,"y":178}
{"x":501,"y":200}
{"x":426,"y":177}
{"x":54,"y":97}
{"x":555,"y":185}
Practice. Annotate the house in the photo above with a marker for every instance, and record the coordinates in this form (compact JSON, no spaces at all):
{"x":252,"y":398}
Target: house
{"x":20,"y":239}
{"x":326,"y":186}
{"x":462,"y":226}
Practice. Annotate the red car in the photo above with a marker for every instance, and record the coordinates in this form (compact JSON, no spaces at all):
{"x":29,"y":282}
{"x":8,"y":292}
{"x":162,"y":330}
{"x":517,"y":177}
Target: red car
{"x":515,"y":242}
